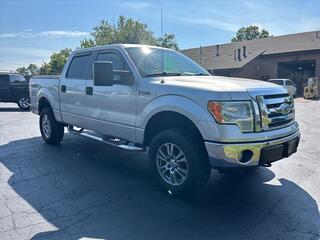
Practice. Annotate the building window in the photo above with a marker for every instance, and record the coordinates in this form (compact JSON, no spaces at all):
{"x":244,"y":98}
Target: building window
{"x":239,"y":54}
{"x":217,"y":53}
{"x":244,"y":48}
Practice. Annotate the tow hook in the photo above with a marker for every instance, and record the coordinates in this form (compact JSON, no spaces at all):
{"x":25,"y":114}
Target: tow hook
{"x":267,"y":165}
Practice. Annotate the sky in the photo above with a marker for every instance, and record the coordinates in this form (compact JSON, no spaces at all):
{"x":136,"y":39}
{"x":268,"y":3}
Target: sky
{"x":30,"y":31}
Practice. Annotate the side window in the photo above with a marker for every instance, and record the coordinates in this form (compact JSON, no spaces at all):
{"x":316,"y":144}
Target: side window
{"x":17,"y":78}
{"x":79,"y":66}
{"x":289,"y":83}
{"x":116,"y":59}
{"x":4,"y":80}
{"x":279,"y":82}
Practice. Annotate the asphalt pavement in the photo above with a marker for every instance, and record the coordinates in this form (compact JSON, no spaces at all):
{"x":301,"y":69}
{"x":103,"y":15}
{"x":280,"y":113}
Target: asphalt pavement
{"x":84,"y":189}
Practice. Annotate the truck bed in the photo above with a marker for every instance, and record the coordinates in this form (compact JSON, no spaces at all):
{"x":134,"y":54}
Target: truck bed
{"x":44,"y":85}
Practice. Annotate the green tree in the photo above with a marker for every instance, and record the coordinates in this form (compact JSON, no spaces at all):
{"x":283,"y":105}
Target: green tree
{"x":32,"y":69}
{"x":249,"y":33}
{"x":56,"y":63}
{"x":86,"y":43}
{"x":168,"y":41}
{"x":22,"y":70}
{"x":58,"y":60}
{"x":126,"y":30}
{"x":44,"y":69}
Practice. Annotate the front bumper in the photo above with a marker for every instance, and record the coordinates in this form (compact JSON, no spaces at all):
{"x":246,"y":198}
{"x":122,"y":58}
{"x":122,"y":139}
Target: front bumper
{"x":226,"y":155}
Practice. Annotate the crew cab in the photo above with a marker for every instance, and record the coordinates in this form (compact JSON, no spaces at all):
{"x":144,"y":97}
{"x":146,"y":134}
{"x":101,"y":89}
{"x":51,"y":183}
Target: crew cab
{"x":145,"y":98}
{"x":14,"y":88}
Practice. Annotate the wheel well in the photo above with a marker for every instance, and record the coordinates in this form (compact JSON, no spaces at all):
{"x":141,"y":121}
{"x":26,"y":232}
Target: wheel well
{"x":43,"y":103}
{"x":166,"y":120}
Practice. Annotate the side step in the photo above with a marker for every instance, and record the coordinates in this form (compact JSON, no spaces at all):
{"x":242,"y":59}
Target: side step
{"x":115,"y":142}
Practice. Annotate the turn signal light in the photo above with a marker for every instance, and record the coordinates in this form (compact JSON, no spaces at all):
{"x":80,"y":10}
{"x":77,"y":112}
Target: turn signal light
{"x":215,"y":110}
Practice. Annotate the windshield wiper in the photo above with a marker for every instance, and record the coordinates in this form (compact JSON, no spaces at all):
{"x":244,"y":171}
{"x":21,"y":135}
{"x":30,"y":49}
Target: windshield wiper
{"x":159,"y":74}
{"x":200,"y":74}
{"x":194,"y":74}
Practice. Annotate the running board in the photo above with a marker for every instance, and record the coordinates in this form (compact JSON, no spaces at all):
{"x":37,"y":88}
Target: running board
{"x":115,"y":142}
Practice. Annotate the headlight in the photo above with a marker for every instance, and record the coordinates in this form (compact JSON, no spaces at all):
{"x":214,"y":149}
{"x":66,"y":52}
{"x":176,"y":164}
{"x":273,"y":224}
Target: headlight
{"x":239,"y":113}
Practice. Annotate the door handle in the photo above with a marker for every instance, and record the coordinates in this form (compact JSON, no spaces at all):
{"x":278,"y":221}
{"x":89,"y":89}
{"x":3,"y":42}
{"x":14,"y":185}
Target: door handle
{"x":89,"y":90}
{"x":63,"y":88}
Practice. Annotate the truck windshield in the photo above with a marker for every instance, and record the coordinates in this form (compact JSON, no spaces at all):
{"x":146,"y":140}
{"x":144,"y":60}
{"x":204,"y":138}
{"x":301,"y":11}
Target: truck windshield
{"x":148,"y":61}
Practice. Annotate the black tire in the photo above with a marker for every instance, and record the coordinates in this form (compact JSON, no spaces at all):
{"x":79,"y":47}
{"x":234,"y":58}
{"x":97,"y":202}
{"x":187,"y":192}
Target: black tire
{"x":56,"y":129}
{"x":24,"y":103}
{"x":197,"y":161}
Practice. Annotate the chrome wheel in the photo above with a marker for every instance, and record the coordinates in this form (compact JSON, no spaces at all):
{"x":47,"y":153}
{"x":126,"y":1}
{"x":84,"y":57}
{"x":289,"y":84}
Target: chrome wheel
{"x":46,"y":126}
{"x":172,"y":164}
{"x":24,"y":102}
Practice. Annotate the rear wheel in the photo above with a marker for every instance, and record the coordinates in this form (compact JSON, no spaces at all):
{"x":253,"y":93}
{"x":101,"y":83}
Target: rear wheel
{"x":51,"y":131}
{"x":24,"y":103}
{"x":179,"y":162}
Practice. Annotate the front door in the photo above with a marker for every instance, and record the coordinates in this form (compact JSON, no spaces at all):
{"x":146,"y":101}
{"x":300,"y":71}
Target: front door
{"x":72,"y":90}
{"x":112,"y":109}
{"x":4,"y":87}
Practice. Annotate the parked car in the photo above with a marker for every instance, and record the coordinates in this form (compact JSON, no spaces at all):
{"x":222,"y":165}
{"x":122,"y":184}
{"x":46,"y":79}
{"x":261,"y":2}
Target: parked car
{"x":14,"y":88}
{"x":139,"y":98}
{"x":287,"y":84}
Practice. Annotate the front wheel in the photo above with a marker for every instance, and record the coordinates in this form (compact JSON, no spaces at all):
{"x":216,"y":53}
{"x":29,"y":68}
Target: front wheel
{"x":179,"y":162}
{"x":24,"y":103}
{"x":51,"y":131}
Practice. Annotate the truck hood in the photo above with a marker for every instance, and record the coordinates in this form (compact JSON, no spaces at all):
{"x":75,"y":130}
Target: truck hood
{"x":235,"y":88}
{"x":216,"y":83}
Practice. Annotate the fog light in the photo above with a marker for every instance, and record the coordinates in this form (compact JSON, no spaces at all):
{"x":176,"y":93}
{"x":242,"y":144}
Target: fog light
{"x":245,"y":156}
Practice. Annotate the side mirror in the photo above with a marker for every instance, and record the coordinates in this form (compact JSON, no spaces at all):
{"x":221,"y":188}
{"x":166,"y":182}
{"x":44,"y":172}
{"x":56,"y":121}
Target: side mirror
{"x":102,"y":73}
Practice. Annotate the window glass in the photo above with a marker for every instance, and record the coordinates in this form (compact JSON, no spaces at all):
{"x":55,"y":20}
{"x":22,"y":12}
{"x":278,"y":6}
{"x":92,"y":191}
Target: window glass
{"x":4,"y":79}
{"x":114,"y":58}
{"x":289,"y":83}
{"x":79,"y":67}
{"x":17,"y":78}
{"x":279,"y":82}
{"x":151,"y":61}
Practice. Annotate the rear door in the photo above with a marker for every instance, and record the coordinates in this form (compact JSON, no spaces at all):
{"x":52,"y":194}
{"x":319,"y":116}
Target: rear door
{"x":112,"y":109}
{"x":18,"y":87}
{"x":4,"y":87}
{"x":72,"y":90}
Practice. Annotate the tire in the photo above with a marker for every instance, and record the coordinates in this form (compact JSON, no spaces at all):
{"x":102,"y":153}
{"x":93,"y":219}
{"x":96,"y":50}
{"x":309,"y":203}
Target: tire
{"x":51,"y":131}
{"x":24,"y":103}
{"x":184,"y":175}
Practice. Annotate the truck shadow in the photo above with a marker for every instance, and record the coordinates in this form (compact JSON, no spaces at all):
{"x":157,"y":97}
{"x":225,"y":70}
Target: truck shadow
{"x":87,"y":189}
{"x":11,"y":109}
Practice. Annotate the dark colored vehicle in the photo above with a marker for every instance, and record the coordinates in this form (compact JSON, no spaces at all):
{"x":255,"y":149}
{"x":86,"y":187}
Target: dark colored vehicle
{"x":14,"y":88}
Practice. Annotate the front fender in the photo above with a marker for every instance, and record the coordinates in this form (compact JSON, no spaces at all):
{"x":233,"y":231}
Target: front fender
{"x":174,"y":103}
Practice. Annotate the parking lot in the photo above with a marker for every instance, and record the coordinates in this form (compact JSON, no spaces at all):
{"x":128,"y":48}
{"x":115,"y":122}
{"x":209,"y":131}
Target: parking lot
{"x":84,"y":189}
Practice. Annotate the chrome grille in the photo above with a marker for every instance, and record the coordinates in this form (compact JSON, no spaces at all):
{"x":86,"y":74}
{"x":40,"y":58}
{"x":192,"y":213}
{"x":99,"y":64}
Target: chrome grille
{"x":276,"y":111}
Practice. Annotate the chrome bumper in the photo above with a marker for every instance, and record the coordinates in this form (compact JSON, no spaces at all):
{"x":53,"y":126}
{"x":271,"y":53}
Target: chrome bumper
{"x":222,"y":155}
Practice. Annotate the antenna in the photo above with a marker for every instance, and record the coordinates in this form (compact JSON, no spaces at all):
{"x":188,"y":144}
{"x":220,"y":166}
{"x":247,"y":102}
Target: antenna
{"x":162,"y":64}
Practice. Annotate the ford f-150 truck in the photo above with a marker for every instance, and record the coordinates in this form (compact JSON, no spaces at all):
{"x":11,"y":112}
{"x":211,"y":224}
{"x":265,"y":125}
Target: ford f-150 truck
{"x":138,"y":97}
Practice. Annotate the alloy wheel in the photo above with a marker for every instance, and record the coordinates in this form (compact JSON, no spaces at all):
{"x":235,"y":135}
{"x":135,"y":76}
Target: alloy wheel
{"x":172,"y":164}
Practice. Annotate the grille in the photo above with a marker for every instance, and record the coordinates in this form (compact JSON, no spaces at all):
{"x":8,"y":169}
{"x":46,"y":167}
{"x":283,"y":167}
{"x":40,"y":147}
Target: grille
{"x":276,"y":111}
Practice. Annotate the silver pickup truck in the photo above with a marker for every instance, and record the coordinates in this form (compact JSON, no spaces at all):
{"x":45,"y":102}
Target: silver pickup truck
{"x":138,"y":97}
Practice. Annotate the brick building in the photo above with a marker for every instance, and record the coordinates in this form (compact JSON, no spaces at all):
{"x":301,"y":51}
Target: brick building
{"x":294,"y":56}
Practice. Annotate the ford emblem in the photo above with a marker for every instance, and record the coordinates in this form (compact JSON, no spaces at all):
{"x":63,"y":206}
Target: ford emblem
{"x":284,"y":108}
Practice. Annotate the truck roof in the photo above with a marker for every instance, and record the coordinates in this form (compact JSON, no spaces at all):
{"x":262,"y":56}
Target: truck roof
{"x":119,"y":45}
